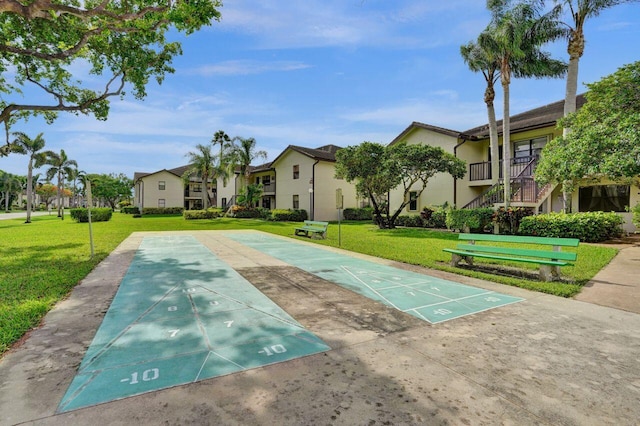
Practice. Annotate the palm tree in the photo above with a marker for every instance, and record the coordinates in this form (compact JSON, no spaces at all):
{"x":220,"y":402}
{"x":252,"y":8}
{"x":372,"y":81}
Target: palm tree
{"x":224,"y":168}
{"x":61,"y":166}
{"x":514,"y":37}
{"x":580,"y":11}
{"x":201,"y":165}
{"x":23,"y":144}
{"x":9,"y":183}
{"x":244,"y":154}
{"x":482,"y":60}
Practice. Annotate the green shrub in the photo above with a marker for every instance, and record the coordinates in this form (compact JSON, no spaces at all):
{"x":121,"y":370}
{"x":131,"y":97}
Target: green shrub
{"x":434,"y":217}
{"x":162,"y":210}
{"x":589,"y":227}
{"x":102,"y":214}
{"x":365,"y":213}
{"x":636,"y":215}
{"x":508,"y":220}
{"x":475,"y":220}
{"x":130,"y":210}
{"x":202,"y":214}
{"x":410,"y":221}
{"x":280,"y":215}
{"x":245,"y":213}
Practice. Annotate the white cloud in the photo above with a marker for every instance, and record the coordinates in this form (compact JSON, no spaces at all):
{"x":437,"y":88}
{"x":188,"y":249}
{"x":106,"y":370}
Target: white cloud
{"x":247,"y":67}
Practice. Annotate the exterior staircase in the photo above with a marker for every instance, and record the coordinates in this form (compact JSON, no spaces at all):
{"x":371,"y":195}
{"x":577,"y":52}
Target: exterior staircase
{"x":525,"y":191}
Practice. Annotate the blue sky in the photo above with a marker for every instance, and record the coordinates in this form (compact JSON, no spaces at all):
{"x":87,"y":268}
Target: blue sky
{"x":317,"y":72}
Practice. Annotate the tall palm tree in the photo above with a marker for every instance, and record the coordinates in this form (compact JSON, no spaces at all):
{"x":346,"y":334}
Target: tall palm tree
{"x":479,"y":59}
{"x":224,"y":168}
{"x":60,"y":166}
{"x":201,"y":165}
{"x":23,"y":144}
{"x":515,"y":36}
{"x":243,"y":154}
{"x":580,"y":11}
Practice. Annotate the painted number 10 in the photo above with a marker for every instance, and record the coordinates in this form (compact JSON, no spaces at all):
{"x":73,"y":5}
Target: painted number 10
{"x":275,"y":349}
{"x":147,"y":376}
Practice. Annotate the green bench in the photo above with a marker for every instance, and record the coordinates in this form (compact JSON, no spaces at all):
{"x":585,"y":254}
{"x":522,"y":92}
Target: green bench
{"x":513,"y":248}
{"x":313,"y":228}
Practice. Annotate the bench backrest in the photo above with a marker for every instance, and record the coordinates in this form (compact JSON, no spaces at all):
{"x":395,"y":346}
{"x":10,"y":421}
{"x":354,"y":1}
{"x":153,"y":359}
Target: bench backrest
{"x":316,"y":223}
{"x":518,"y":239}
{"x":542,"y":254}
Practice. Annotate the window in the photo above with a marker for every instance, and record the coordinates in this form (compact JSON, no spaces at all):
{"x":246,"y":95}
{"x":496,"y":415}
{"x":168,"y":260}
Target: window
{"x":296,"y":172}
{"x":524,"y":150}
{"x":413,"y":200}
{"x":161,"y":185}
{"x":606,"y":198}
{"x":161,"y":202}
{"x":266,"y":180}
{"x":296,"y":202}
{"x":197,"y":187}
{"x":224,"y":202}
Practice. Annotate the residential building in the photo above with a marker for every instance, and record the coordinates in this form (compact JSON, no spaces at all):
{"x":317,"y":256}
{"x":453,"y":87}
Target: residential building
{"x":305,"y":180}
{"x":530,"y":132}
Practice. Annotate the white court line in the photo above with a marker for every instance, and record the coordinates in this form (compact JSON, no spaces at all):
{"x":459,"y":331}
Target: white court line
{"x":369,"y":287}
{"x":456,"y":300}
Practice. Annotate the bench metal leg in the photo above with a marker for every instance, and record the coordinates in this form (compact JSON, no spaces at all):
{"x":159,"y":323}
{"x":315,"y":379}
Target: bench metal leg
{"x":456,"y":258}
{"x":549,"y":272}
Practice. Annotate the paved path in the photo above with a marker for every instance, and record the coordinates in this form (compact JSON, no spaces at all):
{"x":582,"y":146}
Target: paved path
{"x":22,"y":215}
{"x":618,"y":284}
{"x":544,"y":361}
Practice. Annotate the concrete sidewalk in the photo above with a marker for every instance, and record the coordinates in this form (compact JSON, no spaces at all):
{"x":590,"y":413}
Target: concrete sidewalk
{"x":546,"y":360}
{"x":618,"y":284}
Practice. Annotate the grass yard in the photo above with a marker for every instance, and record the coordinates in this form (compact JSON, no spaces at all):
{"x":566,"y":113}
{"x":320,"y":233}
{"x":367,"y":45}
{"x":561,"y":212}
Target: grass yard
{"x":41,"y":262}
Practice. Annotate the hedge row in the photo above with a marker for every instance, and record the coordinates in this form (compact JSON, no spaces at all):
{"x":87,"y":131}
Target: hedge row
{"x":280,"y":215}
{"x":162,"y":210}
{"x":102,"y":214}
{"x":130,"y":210}
{"x":202,"y":214}
{"x":591,"y":227}
{"x":365,"y":213}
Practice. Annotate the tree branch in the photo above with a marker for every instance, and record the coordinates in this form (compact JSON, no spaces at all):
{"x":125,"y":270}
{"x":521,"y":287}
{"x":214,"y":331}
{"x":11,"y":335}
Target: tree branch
{"x":45,"y":9}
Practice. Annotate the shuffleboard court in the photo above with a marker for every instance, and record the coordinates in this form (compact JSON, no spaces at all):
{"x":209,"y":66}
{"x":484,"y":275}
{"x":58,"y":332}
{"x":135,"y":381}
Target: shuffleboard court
{"x":182,"y":315}
{"x":429,"y":298}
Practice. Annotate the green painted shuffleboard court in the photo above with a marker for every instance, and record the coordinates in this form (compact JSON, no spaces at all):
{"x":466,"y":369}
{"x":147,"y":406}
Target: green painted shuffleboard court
{"x":428,"y":298}
{"x":182,"y":315}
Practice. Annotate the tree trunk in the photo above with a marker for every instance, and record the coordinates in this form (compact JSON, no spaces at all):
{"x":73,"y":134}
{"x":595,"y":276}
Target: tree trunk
{"x":494,"y":144}
{"x":506,"y":142}
{"x":29,"y":189}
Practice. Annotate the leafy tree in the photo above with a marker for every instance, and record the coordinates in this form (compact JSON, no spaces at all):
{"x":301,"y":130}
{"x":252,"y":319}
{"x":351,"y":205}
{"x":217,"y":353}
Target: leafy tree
{"x":59,"y":165}
{"x":23,"y":144}
{"x":9,"y":183}
{"x":48,"y":192}
{"x":110,"y":188}
{"x":250,"y":195}
{"x":514,"y":38}
{"x":124,"y":41}
{"x":243,"y":154}
{"x":377,"y":169}
{"x":604,"y":137}
{"x":201,"y":165}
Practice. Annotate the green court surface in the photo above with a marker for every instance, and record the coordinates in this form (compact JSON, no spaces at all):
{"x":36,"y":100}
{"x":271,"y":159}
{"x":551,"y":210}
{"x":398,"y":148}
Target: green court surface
{"x":428,"y":298}
{"x":182,"y":315}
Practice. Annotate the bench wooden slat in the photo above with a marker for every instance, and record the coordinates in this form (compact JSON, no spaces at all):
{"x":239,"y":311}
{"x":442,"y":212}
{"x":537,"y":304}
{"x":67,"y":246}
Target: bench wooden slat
{"x":515,"y":259}
{"x":518,"y":239}
{"x":545,"y":254}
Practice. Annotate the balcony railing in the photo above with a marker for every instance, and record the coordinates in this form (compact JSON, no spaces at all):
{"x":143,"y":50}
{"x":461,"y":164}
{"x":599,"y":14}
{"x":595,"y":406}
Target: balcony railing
{"x":520,"y":166}
{"x":269,"y":187}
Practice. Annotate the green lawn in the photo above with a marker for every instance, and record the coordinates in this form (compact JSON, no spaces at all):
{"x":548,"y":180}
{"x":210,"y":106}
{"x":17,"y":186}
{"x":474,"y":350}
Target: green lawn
{"x":42,"y":261}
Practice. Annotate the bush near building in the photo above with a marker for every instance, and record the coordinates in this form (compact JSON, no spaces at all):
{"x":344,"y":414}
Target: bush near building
{"x":101,"y":214}
{"x":590,"y":227}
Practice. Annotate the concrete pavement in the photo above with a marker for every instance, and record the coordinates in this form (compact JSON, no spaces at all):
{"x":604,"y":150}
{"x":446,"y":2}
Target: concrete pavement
{"x":546,"y":360}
